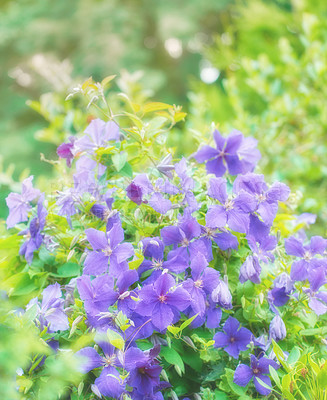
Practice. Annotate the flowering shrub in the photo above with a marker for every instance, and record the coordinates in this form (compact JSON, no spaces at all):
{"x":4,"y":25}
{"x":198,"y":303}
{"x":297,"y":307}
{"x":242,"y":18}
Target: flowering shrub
{"x":174,"y":277}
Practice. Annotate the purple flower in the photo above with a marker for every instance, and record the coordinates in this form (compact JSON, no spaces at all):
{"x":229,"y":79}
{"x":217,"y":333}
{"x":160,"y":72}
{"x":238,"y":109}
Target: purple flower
{"x":250,"y":270}
{"x":259,"y":370}
{"x":109,"y":382}
{"x":231,"y":153}
{"x":144,"y":370}
{"x":277,"y":328}
{"x":51,"y":311}
{"x":182,"y":238}
{"x":153,"y":250}
{"x":19,"y":204}
{"x":163,"y":301}
{"x":308,"y":261}
{"x":266,"y":198}
{"x":234,"y":339}
{"x":107,"y":247}
{"x":33,"y":234}
{"x":317,"y":298}
{"x":204,"y":280}
{"x":233,"y":211}
{"x":187,"y":185}
{"x":141,"y":190}
{"x":283,"y":287}
{"x":66,"y":150}
{"x":97,"y":134}
{"x":261,"y":251}
{"x":98,"y":294}
{"x":222,"y":295}
{"x":106,"y":213}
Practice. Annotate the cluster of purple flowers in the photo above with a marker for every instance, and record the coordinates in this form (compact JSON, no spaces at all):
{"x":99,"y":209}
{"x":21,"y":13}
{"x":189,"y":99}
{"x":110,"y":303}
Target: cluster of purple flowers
{"x":176,"y":274}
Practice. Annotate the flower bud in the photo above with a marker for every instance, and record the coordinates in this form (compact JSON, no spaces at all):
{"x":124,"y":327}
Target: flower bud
{"x":277,"y":329}
{"x":222,"y":295}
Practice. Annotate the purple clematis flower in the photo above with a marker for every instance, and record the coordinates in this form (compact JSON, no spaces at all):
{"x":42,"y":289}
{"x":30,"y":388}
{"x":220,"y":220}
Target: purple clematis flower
{"x":163,"y":301}
{"x":231,"y":153}
{"x":301,"y":268}
{"x":51,"y":311}
{"x":141,"y":190}
{"x":97,"y":135}
{"x":107,"y":247}
{"x":277,"y":329}
{"x":259,"y":370}
{"x":144,"y":370}
{"x":98,"y":294}
{"x":19,"y":204}
{"x":187,"y":185}
{"x":261,"y":252}
{"x":66,"y":150}
{"x":234,"y":339}
{"x":33,"y":235}
{"x":182,"y":237}
{"x":109,"y":382}
{"x":204,"y":280}
{"x":222,"y":295}
{"x":153,"y":250}
{"x":280,"y":293}
{"x":233,"y":212}
{"x":106,"y":213}
{"x":266,"y":198}
{"x":317,"y":297}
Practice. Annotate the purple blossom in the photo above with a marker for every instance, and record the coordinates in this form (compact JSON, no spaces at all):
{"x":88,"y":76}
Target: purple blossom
{"x":182,"y":237}
{"x":141,"y":190}
{"x":33,"y":235}
{"x":66,"y":150}
{"x":283,"y":287}
{"x":317,"y":297}
{"x":266,"y":198}
{"x":233,"y":338}
{"x":144,"y":370}
{"x":301,"y":268}
{"x":19,"y":204}
{"x":153,"y":250}
{"x":187,"y":185}
{"x":261,"y":252}
{"x":109,"y":382}
{"x":98,"y":294}
{"x":106,"y":213}
{"x":222,"y":295}
{"x":277,"y":329}
{"x":107,"y":247}
{"x":163,"y":301}
{"x":233,"y":212}
{"x":204,"y":280}
{"x":51,"y":310}
{"x":259,"y":370}
{"x":234,"y":153}
{"x":97,"y":135}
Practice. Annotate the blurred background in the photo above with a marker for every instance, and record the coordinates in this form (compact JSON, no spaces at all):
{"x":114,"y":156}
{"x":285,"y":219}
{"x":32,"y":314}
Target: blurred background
{"x":257,"y":65}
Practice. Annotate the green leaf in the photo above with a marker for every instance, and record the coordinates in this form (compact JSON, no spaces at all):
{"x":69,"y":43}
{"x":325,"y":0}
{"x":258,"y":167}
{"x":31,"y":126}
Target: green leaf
{"x":172,"y":357}
{"x":275,"y":377}
{"x":127,"y":171}
{"x":115,"y":339}
{"x":322,"y":377}
{"x":156,"y":106}
{"x":69,"y":269}
{"x":119,"y":160}
{"x":187,"y":322}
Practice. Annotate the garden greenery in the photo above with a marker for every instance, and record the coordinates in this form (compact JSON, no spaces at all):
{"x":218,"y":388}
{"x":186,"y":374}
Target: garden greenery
{"x":139,"y":275}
